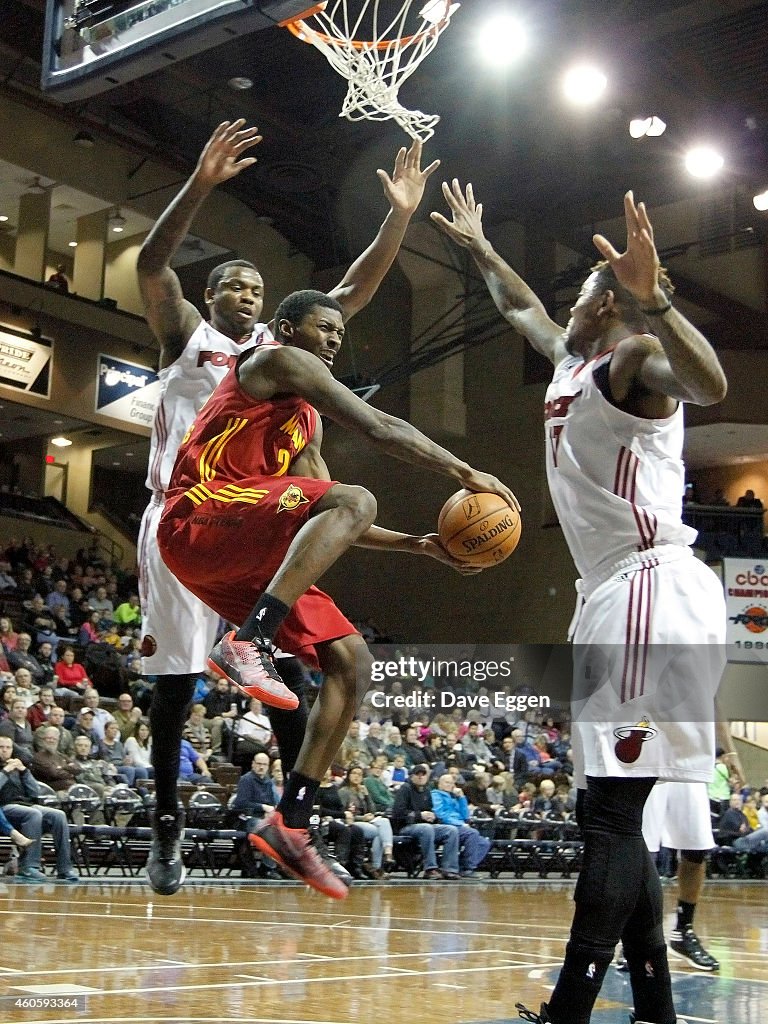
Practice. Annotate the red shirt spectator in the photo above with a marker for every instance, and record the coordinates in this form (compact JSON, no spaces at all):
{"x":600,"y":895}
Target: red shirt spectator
{"x":71,"y":673}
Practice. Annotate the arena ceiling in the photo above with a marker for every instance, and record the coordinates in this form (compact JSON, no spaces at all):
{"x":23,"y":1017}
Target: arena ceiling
{"x":700,"y":65}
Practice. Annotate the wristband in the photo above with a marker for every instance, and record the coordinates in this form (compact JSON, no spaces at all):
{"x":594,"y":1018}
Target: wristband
{"x":660,"y":311}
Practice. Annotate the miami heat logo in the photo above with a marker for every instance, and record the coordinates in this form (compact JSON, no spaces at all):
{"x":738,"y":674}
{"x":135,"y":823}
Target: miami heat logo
{"x":148,"y":646}
{"x":631,"y":739}
{"x":291,"y":498}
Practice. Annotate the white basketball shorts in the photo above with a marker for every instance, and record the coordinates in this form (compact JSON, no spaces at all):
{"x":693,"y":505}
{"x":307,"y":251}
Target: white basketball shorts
{"x":676,"y":815}
{"x":649,"y":651}
{"x":182,"y":629}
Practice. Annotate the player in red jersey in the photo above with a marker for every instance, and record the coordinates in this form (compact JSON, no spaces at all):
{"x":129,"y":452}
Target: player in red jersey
{"x":253,"y":518}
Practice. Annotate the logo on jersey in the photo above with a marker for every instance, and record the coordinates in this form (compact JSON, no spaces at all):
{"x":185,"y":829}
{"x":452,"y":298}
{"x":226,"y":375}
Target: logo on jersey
{"x":631,"y":739}
{"x":754,"y":618}
{"x":291,"y":498}
{"x":148,"y":646}
{"x":216,"y":358}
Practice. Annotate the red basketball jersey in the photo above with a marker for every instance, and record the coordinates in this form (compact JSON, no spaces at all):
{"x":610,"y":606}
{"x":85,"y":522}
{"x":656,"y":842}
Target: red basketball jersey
{"x":235,"y":441}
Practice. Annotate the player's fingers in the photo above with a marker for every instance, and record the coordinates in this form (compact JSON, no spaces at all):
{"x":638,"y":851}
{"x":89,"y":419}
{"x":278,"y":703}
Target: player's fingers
{"x":400,"y":161}
{"x":430,"y":170}
{"x":470,"y":196}
{"x":479,"y":211}
{"x":442,"y":223}
{"x":244,"y":144}
{"x":234,"y":127}
{"x":457,"y":191}
{"x":644,"y":220}
{"x":605,"y":248}
{"x":413,"y":156}
{"x":450,"y":198}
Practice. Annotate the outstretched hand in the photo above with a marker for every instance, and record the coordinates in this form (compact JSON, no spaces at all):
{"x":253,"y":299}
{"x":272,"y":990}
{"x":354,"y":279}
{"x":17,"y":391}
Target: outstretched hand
{"x":638,"y":267}
{"x":467,"y":224}
{"x":222,"y":157}
{"x":406,"y":186}
{"x":430,"y":545}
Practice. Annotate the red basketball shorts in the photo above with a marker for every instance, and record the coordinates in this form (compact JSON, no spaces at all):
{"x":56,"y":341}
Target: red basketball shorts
{"x":226,"y":554}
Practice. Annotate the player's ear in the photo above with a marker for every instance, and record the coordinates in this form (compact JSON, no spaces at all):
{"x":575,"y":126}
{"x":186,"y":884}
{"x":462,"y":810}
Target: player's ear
{"x":607,"y":302}
{"x":285,"y":329}
{"x":208,"y":296}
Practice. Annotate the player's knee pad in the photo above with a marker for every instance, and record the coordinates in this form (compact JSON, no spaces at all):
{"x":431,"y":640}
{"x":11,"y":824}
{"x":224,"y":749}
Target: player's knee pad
{"x":610,"y":879}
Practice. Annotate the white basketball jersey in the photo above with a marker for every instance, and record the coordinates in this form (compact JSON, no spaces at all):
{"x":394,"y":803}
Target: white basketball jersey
{"x":616,"y":480}
{"x":186,"y":386}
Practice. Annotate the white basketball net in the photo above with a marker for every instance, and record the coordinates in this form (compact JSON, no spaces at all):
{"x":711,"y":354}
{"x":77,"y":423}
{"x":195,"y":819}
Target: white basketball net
{"x":377,"y":68}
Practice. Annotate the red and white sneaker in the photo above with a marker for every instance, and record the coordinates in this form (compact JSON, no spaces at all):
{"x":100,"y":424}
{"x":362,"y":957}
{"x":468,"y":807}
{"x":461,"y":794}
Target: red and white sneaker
{"x":250,"y":667}
{"x":295,"y":852}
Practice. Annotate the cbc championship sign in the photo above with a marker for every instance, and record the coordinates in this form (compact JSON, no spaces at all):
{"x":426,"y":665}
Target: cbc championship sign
{"x":126,"y":391}
{"x":746,"y":603}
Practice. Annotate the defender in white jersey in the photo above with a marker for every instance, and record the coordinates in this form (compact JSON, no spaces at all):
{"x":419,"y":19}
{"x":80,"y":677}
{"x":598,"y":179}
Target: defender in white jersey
{"x":649,"y":626}
{"x":195,"y":357}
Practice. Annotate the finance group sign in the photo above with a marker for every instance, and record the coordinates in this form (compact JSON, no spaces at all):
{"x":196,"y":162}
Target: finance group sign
{"x":126,"y":391}
{"x":746,"y":602}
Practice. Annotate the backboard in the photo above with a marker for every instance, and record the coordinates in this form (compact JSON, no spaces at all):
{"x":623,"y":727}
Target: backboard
{"x":94,"y":45}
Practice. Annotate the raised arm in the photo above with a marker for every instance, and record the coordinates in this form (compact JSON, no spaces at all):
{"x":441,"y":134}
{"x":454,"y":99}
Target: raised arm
{"x":171,"y":317}
{"x":685,"y":367}
{"x":516,"y":302}
{"x":294,"y":371}
{"x":404,"y":191}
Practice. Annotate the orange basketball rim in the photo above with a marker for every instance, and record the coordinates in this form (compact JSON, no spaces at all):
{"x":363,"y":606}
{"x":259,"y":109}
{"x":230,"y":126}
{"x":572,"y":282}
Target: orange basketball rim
{"x":439,"y":18}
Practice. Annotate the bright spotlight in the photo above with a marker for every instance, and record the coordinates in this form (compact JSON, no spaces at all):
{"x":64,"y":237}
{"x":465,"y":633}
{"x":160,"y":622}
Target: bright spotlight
{"x":703,"y":162}
{"x":502,"y":40}
{"x":584,"y":85}
{"x":760,"y":202}
{"x":650,"y":126}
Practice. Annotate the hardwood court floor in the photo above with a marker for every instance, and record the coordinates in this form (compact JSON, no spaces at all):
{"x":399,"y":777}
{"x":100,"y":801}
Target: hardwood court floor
{"x":454,"y":953}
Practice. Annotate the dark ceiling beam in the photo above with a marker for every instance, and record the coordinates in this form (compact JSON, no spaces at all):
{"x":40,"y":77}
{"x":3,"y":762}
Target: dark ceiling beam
{"x":694,"y":14}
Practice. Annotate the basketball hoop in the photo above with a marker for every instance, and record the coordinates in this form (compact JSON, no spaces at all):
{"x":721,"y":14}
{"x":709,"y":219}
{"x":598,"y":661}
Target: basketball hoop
{"x":376,"y":67}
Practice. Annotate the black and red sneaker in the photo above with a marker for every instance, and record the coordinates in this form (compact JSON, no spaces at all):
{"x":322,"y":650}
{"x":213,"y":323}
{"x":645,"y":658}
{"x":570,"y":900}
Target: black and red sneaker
{"x":295,"y":852}
{"x":249,"y":665}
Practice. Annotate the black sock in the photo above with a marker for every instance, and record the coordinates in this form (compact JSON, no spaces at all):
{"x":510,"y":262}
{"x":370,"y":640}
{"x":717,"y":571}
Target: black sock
{"x":651,"y":990}
{"x":171,"y":698}
{"x":577,"y":986}
{"x":289,"y":726}
{"x":297,"y":800}
{"x":685,"y":912}
{"x":265,"y":619}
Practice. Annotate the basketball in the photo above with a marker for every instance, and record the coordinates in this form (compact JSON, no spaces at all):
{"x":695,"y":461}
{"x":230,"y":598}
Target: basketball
{"x":478,"y":528}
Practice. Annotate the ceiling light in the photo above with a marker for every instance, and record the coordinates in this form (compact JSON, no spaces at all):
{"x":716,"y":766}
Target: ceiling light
{"x":502,"y":40}
{"x":85,"y":140}
{"x":3,"y":218}
{"x":760,"y":202}
{"x":117,"y":222}
{"x":72,"y":245}
{"x":703,"y":162}
{"x":240,"y":82}
{"x":650,"y":126}
{"x":61,"y":442}
{"x":584,"y":85}
{"x":35,"y":188}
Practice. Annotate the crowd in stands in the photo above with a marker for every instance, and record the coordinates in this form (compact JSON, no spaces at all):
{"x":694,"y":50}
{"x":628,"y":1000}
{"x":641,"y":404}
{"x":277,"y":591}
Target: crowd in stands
{"x":73,"y":705}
